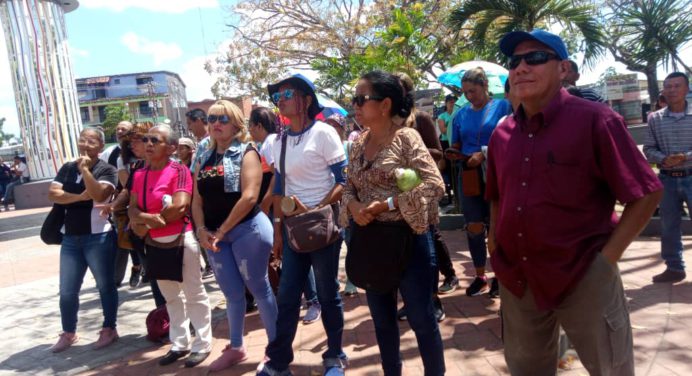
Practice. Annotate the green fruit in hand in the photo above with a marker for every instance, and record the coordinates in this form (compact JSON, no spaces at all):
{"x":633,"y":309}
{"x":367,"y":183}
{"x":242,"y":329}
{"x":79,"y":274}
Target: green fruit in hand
{"x":406,"y":179}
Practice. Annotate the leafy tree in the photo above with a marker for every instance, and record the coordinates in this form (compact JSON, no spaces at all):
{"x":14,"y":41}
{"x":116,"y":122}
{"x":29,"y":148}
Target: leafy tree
{"x":4,"y":137}
{"x":340,"y":39}
{"x":646,"y":33}
{"x":115,"y":113}
{"x":488,"y":20}
{"x":273,"y":36}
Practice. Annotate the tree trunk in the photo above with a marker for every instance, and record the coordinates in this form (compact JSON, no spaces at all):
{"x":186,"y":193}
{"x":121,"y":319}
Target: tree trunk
{"x":652,"y":81}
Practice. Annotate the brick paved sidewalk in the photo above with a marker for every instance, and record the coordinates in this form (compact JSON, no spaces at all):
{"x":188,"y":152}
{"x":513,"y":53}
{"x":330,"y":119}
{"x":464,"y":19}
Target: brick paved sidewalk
{"x":30,"y":321}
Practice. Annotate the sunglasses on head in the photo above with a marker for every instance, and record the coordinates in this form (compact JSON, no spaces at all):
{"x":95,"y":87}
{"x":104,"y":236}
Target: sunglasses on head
{"x":223,"y":119}
{"x":154,"y":140}
{"x":286,"y":94}
{"x":532,"y":58}
{"x":361,"y":99}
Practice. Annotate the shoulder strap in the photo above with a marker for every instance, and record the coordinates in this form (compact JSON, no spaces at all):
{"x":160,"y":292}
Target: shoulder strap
{"x":282,"y":161}
{"x":144,"y":189}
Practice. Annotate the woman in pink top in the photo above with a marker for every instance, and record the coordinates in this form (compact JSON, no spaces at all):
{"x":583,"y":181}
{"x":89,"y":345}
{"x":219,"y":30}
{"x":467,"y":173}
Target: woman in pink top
{"x":168,"y":188}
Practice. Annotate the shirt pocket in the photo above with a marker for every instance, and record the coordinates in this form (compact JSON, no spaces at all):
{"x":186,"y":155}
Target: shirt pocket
{"x":564,"y":177}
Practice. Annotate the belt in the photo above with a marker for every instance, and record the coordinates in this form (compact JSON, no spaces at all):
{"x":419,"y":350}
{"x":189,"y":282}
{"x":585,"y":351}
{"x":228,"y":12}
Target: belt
{"x":677,"y":173}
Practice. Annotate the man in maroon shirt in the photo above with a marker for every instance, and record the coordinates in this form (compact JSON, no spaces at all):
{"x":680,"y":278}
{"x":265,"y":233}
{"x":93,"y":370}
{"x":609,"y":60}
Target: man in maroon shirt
{"x":555,"y":169}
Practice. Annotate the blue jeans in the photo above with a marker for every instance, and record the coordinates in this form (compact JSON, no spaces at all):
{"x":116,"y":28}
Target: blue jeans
{"x":242,"y":261}
{"x":476,"y":210}
{"x":97,"y":252}
{"x":416,"y":290}
{"x":675,"y":192}
{"x":9,"y":190}
{"x":310,"y":289}
{"x":294,"y":272}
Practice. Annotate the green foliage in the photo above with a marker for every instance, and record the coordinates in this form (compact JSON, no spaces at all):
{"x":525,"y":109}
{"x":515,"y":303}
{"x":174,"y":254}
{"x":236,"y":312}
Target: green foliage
{"x":488,"y":20}
{"x":4,"y":137}
{"x":115,"y":113}
{"x":645,"y":34}
{"x":413,"y":38}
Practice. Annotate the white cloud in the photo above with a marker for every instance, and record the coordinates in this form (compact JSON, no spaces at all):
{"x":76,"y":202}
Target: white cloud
{"x":160,"y":6}
{"x":197,"y":81}
{"x":160,"y":51}
{"x":8,"y":107}
{"x":76,"y":52}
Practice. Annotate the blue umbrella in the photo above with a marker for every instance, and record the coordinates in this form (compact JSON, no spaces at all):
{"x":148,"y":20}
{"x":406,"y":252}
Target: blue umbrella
{"x":330,"y":107}
{"x":497,"y":75}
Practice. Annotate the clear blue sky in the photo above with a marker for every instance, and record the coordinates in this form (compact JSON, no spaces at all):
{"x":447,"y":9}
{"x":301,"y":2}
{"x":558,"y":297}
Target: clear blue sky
{"x":124,"y":36}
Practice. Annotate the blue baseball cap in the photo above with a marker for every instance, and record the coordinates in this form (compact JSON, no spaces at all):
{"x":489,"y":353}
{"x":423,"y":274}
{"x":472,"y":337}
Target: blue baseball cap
{"x":303,"y":84}
{"x":510,"y":41}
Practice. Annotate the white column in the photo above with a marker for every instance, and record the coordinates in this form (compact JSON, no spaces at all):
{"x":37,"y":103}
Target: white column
{"x":44,"y":85}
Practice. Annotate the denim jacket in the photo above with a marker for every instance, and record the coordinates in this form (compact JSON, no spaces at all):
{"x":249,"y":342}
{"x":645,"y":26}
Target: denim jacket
{"x":232,"y":160}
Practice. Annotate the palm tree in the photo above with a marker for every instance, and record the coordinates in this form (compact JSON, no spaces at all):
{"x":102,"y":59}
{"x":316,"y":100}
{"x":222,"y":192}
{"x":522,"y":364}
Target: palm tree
{"x":646,"y":33}
{"x":488,"y":20}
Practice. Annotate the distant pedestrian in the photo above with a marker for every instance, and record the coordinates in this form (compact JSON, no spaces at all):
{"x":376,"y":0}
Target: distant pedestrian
{"x":472,"y":126}
{"x":669,"y":145}
{"x":196,"y":120}
{"x":555,"y":170}
{"x":19,"y":173}
{"x":5,"y":176}
{"x":571,"y":79}
{"x":89,"y":243}
{"x":186,"y":151}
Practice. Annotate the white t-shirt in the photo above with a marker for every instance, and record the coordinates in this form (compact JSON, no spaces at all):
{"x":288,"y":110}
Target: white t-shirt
{"x":308,"y":158}
{"x":266,"y":150}
{"x":106,"y":154}
{"x":24,"y":169}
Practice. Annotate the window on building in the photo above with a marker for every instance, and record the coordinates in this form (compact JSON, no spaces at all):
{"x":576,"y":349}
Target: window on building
{"x":102,"y":114}
{"x":84,"y":111}
{"x":116,"y":81}
{"x":144,"y":108}
{"x":144,"y":80}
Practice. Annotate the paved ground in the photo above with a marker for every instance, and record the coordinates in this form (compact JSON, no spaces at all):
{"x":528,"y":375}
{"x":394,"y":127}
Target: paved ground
{"x":30,"y":321}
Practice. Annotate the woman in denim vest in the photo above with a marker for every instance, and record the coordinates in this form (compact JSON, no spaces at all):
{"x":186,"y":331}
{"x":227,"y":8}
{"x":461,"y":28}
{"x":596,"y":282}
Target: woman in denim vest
{"x":231,"y":226}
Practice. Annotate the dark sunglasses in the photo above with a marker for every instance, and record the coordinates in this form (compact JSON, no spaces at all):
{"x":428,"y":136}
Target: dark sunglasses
{"x":361,"y":99}
{"x":223,"y":119}
{"x":532,"y":58}
{"x":287,"y":94}
{"x":154,"y":140}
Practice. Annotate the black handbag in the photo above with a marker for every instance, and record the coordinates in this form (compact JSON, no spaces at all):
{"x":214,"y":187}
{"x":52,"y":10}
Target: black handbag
{"x":50,"y":230}
{"x":164,"y":260}
{"x":313,"y":230}
{"x":378,"y":255}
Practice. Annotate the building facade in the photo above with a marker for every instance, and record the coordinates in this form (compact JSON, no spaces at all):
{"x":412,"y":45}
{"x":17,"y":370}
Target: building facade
{"x":157,"y":97}
{"x":243,"y":102}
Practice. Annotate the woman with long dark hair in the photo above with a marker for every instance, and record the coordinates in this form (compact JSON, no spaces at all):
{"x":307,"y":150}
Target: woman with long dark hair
{"x":372,"y":194}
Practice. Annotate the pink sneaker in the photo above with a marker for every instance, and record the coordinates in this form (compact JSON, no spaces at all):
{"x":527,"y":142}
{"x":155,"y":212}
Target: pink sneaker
{"x":66,"y":340}
{"x":106,"y":337}
{"x":229,"y":357}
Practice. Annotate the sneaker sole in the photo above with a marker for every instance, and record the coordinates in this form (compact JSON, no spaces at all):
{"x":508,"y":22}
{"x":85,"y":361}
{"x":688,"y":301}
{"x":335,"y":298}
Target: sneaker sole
{"x":445,"y":292}
{"x":480,"y":292}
